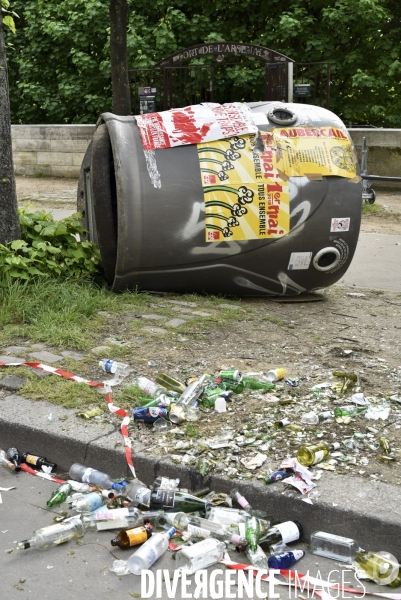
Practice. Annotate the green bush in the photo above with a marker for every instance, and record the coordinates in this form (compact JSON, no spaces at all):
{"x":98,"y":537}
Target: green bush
{"x":48,"y":248}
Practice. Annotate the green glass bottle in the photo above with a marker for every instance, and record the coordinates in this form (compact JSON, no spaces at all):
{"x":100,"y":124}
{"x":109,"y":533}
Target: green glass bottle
{"x":252,"y":383}
{"x":252,"y":532}
{"x":171,"y":501}
{"x":60,"y":495}
{"x":235,"y":386}
{"x":315,"y":453}
{"x":170,"y":383}
{"x":380,"y":567}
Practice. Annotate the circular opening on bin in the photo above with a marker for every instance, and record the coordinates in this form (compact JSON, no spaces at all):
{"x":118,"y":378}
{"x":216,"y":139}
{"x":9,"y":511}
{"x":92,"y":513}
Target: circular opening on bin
{"x":326,"y":259}
{"x":282,"y":116}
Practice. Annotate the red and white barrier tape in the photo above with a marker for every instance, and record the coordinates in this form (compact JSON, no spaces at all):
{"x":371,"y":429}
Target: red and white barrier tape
{"x":114,"y":409}
{"x":311,"y":584}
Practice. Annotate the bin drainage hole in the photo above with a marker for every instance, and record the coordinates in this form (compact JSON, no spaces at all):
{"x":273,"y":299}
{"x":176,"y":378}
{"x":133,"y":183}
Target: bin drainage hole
{"x":326,"y":259}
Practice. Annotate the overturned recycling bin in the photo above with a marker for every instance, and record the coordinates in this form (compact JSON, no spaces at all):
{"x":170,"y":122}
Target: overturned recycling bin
{"x":257,"y":199}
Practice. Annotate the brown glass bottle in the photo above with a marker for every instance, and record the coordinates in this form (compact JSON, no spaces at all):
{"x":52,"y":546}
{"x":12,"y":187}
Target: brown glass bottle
{"x":132,"y":537}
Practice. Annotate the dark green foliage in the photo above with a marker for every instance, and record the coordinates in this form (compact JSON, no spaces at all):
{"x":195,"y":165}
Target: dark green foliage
{"x":60,"y":68}
{"x":48,"y":248}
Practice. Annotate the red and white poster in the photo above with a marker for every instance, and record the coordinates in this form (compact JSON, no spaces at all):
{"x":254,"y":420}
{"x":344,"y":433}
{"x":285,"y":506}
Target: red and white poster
{"x":194,"y":124}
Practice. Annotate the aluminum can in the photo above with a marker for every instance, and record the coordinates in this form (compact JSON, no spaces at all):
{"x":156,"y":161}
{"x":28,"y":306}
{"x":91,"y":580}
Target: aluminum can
{"x":234,"y":375}
{"x":275,"y":375}
{"x":177,"y":414}
{"x":148,"y":414}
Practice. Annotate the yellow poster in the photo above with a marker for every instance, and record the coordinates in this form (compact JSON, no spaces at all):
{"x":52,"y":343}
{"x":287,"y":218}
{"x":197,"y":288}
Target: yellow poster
{"x":242,"y":202}
{"x":304,"y":151}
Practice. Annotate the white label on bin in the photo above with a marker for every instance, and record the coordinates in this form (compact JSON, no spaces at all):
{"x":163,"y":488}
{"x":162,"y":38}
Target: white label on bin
{"x":299,"y":261}
{"x":260,"y":118}
{"x":340,"y":224}
{"x":289,"y":531}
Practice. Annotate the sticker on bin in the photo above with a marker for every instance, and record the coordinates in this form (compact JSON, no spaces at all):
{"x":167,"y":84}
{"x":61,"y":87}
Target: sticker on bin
{"x":299,"y":261}
{"x":194,"y":124}
{"x":341,"y":224}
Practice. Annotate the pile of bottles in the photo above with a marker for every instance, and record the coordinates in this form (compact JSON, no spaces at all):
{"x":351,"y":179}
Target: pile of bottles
{"x":169,"y":400}
{"x":145,"y":519}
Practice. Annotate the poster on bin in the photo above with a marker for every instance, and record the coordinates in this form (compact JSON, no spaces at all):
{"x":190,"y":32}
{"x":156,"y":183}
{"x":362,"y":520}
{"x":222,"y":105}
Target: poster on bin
{"x":245,"y":197}
{"x":194,"y":124}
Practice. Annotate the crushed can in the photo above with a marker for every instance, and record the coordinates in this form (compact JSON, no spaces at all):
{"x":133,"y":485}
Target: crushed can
{"x":148,"y":414}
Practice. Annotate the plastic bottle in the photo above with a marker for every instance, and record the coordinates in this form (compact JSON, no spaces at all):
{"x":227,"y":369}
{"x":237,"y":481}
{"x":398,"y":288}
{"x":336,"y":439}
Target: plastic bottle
{"x":114,"y":367}
{"x":333,"y":546}
{"x":88,"y":475}
{"x":150,"y":551}
{"x":53,"y":535}
{"x":38,"y":461}
{"x":200,"y":555}
{"x":132,"y":537}
{"x":315,"y":453}
{"x":14,"y":457}
{"x":5,"y":462}
{"x":285,"y":560}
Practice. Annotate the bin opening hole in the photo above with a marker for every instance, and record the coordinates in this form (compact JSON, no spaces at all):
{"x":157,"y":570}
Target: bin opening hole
{"x":326,"y":259}
{"x":282,"y":116}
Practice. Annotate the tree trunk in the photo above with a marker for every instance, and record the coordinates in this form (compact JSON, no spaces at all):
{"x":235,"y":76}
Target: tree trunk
{"x":9,"y":221}
{"x":118,"y":57}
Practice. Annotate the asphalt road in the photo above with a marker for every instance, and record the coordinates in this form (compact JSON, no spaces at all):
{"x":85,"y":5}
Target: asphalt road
{"x":81,"y":570}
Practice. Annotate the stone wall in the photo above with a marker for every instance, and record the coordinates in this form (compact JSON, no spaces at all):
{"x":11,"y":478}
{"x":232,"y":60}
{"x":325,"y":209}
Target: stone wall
{"x":58,"y":150}
{"x":52,"y":150}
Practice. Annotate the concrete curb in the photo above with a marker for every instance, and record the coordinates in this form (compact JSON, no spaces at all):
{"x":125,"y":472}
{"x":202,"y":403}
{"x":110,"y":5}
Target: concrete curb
{"x":365,"y":510}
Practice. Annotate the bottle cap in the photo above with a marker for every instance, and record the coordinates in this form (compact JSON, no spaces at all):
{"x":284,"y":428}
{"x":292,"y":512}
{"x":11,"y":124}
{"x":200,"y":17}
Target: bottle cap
{"x":170,"y":531}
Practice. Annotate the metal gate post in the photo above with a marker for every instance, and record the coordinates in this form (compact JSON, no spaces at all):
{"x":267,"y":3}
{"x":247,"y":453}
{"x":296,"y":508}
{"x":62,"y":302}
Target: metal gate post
{"x":290,"y":86}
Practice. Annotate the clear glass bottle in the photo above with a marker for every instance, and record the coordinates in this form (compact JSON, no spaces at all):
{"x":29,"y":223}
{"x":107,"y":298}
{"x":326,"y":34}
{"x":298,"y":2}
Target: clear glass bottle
{"x":54,"y":535}
{"x":148,"y":386}
{"x":257,"y":557}
{"x":164,"y":483}
{"x":315,"y":453}
{"x":192,"y":392}
{"x":200,"y":555}
{"x":5,"y":461}
{"x":333,"y":546}
{"x":150,"y":551}
{"x":241,"y":500}
{"x":226,"y":516}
